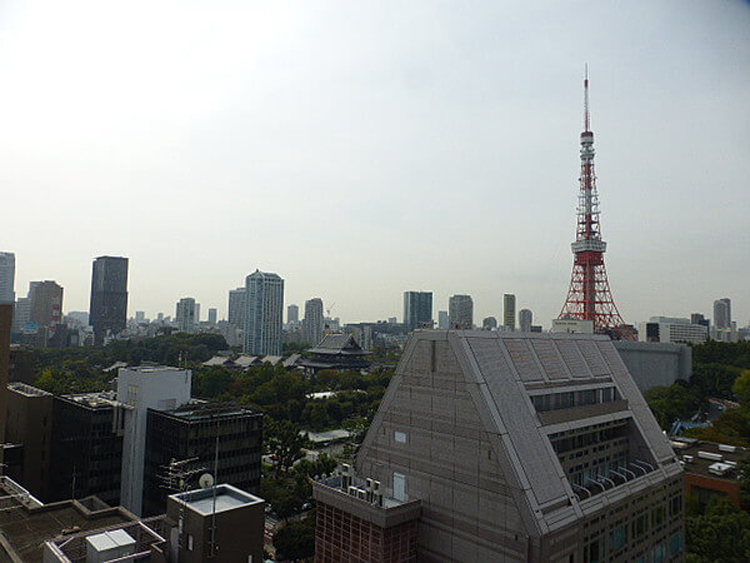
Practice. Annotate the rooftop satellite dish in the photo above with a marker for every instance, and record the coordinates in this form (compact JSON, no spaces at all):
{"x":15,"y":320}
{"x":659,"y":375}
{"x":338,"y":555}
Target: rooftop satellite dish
{"x":206,"y":480}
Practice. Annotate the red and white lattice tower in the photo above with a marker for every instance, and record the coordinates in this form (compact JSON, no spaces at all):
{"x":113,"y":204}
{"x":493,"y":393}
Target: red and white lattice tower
{"x":589,"y":296}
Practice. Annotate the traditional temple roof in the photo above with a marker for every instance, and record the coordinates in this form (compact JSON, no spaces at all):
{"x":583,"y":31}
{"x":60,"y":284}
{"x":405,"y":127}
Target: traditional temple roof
{"x":338,"y":345}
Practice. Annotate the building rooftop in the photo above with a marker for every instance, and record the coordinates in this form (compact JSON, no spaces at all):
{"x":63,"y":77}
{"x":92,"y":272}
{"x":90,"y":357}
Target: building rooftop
{"x":703,"y":457}
{"x":154,"y":368}
{"x":202,"y":411}
{"x":338,"y":344}
{"x":227,"y":498}
{"x":27,"y":390}
{"x":100,"y":400}
{"x":26,"y":523}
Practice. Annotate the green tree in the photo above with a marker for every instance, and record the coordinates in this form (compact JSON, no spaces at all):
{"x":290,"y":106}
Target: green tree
{"x":720,"y":535}
{"x":284,"y":442}
{"x":672,"y":403}
{"x":296,"y":540}
{"x":741,"y":388}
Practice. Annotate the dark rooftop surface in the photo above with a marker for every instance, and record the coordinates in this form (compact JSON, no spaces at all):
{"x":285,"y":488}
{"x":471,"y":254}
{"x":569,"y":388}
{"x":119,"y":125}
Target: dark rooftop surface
{"x":26,"y":530}
{"x":699,"y":465}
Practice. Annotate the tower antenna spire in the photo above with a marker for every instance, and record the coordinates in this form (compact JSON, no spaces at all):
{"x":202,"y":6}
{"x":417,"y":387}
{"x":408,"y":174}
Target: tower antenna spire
{"x":586,"y":118}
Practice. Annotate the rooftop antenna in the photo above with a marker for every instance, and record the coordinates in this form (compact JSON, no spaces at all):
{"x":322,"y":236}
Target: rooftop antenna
{"x":586,"y":118}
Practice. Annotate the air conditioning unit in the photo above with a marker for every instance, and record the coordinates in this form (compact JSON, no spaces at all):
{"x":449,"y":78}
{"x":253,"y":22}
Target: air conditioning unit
{"x":352,"y":490}
{"x":719,"y":468}
{"x":727,"y":448}
{"x":688,"y":458}
{"x":711,"y":456}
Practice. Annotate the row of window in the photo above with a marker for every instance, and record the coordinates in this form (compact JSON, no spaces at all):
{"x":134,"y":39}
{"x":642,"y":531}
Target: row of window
{"x":570,"y":399}
{"x":595,"y":551}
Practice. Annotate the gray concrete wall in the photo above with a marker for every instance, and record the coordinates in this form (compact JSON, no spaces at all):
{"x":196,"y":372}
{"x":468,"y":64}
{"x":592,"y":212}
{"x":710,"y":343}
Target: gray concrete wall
{"x":656,"y":363}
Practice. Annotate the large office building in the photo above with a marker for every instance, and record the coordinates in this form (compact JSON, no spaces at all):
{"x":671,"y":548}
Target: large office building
{"x":672,"y":329}
{"x":109,"y":297}
{"x":500,"y":446}
{"x":45,"y":303}
{"x":190,"y":436}
{"x":292,"y":315}
{"x":264,"y":314}
{"x":723,"y":313}
{"x":461,"y":312}
{"x":236,"y":310}
{"x":312,"y":324}
{"x":525,"y":320}
{"x":509,"y":311}
{"x":7,"y":277}
{"x":87,"y":448}
{"x":417,"y":309}
{"x":186,"y":314}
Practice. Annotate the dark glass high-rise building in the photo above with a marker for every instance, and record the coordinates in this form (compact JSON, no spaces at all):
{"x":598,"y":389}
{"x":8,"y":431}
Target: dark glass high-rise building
{"x":109,"y":296}
{"x":417,"y":309}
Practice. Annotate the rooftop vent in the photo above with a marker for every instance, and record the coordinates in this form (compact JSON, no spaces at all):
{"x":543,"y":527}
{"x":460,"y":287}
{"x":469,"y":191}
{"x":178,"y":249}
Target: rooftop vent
{"x":719,"y":468}
{"x":710,"y":455}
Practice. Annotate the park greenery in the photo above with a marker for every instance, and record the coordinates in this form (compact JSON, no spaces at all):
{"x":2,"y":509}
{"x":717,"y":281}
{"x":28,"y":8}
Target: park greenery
{"x":720,"y":370}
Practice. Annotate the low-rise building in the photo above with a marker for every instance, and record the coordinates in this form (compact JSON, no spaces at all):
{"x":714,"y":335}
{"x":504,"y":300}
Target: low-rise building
{"x":711,"y":469}
{"x":337,"y":351}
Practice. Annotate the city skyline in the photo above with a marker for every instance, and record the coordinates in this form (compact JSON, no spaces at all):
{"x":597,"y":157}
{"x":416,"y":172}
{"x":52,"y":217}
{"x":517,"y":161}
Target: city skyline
{"x":450,"y":111}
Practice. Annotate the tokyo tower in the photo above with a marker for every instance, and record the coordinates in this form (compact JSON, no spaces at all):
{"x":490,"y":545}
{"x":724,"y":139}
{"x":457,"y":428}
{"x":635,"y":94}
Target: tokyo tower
{"x":589,"y":296}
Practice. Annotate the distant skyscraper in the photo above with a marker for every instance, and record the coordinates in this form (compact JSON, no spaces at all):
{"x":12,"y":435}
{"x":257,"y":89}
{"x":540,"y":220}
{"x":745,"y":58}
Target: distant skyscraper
{"x":461,"y":311}
{"x":264,"y":312}
{"x":140,"y":316}
{"x":699,"y":319}
{"x":723,"y":313}
{"x":45,"y":303}
{"x":509,"y":311}
{"x":489,"y":323}
{"x":312,"y":325}
{"x":212,"y":316}
{"x":7,"y":277}
{"x":417,"y":309}
{"x":185,"y":314}
{"x":236,"y":310}
{"x":443,"y":320}
{"x":109,"y":296}
{"x":525,"y":320}
{"x":292,"y":314}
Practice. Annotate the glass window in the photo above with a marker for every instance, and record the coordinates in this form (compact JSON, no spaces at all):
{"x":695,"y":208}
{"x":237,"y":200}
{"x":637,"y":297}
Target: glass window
{"x":618,"y":538}
{"x":594,"y":551}
{"x":675,"y":544}
{"x":659,"y":553}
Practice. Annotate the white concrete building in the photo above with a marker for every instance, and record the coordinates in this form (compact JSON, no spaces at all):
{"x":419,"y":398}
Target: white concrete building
{"x":672,"y":329}
{"x":143,"y":388}
{"x":264,"y":312}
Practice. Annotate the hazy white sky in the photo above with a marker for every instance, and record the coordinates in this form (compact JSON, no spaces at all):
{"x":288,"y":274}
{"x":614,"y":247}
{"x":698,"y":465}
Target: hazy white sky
{"x":360,"y":149}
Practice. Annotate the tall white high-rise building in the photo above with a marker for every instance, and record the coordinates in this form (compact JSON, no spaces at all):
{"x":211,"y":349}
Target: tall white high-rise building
{"x":7,"y":277}
{"x":264,"y":313}
{"x":525,"y":320}
{"x":509,"y":311}
{"x":723,"y":313}
{"x":186,"y":314}
{"x":461,"y":312}
{"x":236,"y":310}
{"x":312,"y":324}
